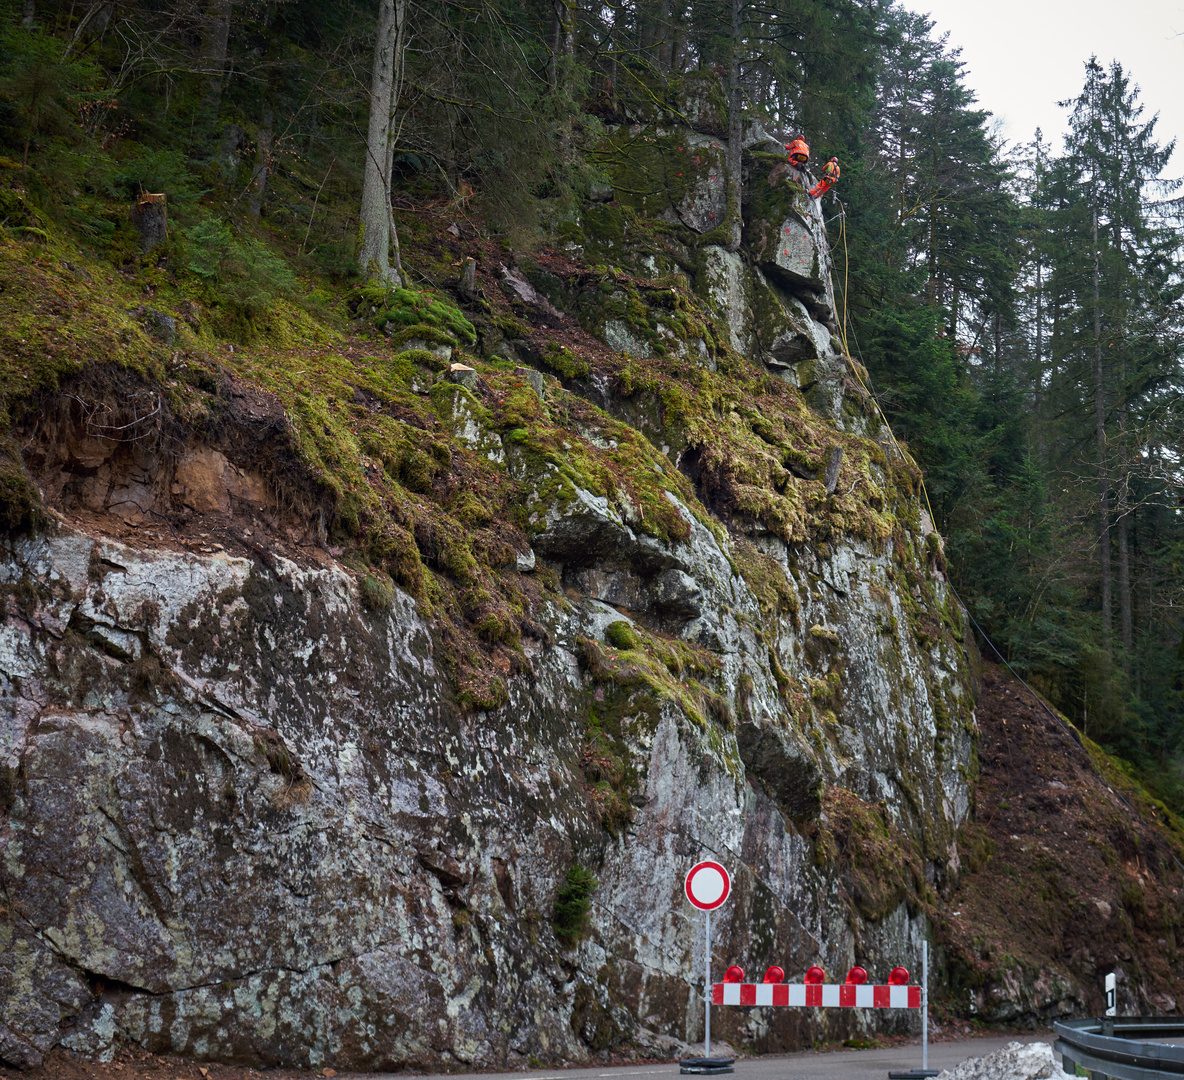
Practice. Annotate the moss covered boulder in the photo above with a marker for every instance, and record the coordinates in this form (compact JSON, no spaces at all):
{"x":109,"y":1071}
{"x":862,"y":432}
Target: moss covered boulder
{"x":784,"y":230}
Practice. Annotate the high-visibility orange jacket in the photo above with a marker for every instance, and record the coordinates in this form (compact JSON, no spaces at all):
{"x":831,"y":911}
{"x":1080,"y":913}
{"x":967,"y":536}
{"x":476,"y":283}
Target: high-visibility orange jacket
{"x":830,"y":176}
{"x":797,"y":152}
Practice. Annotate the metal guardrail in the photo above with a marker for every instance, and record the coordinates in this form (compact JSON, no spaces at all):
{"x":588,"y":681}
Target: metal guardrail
{"x":1122,"y":1048}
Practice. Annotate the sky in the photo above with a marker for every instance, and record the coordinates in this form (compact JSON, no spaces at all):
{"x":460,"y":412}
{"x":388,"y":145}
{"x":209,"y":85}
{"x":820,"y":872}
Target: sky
{"x":1023,"y":56}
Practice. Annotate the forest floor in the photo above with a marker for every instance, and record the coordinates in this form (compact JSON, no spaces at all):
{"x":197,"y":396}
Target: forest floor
{"x":1061,"y":873}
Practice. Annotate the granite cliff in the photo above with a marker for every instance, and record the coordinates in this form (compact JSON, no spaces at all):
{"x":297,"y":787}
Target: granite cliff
{"x":341,"y":672}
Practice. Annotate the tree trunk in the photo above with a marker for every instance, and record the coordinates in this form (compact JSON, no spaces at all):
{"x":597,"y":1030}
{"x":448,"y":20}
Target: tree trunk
{"x":1038,"y":380}
{"x":28,"y":14}
{"x":262,"y":171}
{"x":376,"y":219}
{"x":1100,"y":436}
{"x":998,"y":335}
{"x":214,"y":46}
{"x":563,"y":43}
{"x":733,"y":221}
{"x":678,"y":48}
{"x":931,"y":286}
{"x":663,"y":35}
{"x":1124,"y":572}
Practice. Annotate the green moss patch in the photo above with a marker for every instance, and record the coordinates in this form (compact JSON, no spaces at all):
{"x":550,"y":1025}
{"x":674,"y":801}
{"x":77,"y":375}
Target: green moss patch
{"x":413,"y":313}
{"x":667,"y":669}
{"x":21,"y":509}
{"x":879,"y":865}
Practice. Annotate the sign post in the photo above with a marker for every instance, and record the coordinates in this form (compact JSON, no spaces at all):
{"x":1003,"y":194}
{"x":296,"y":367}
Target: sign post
{"x":1111,"y":1004}
{"x":707,"y":886}
{"x":924,"y":1070}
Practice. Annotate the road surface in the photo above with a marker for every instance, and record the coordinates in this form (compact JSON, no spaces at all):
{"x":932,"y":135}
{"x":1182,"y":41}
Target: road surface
{"x":804,"y":1065}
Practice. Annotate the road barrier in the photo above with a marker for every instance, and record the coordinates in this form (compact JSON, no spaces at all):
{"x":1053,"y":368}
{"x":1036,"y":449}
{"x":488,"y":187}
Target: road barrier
{"x":707,"y":886}
{"x":814,"y":994}
{"x":1122,"y":1048}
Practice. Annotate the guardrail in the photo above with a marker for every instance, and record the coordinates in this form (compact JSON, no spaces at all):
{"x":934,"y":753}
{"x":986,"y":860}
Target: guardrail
{"x":1122,"y":1048}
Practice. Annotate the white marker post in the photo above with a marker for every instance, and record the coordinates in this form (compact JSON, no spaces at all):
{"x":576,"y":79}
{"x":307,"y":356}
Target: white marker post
{"x":925,"y":1005}
{"x":924,"y":1071}
{"x":707,"y":886}
{"x":1111,"y":994}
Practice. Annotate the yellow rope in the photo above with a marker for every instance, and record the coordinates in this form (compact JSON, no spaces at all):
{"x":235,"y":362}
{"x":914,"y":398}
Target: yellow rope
{"x":846,"y":265}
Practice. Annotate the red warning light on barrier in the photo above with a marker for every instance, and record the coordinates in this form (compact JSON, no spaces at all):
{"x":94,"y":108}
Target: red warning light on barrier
{"x":857,"y":976}
{"x":815,"y":976}
{"x":775,"y":974}
{"x":898,"y":977}
{"x":734,"y":974}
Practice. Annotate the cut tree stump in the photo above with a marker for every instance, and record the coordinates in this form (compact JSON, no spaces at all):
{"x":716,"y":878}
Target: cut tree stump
{"x":150,"y":217}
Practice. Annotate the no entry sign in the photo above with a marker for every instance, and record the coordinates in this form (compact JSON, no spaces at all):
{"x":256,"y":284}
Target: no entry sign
{"x":707,"y":885}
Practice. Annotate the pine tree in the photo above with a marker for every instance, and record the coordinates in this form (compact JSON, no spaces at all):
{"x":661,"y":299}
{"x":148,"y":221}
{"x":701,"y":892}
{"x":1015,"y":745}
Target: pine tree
{"x":1110,"y":164}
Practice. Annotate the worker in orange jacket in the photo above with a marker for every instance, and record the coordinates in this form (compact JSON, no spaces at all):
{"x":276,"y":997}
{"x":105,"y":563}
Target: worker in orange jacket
{"x":830,"y":177}
{"x":797,"y":152}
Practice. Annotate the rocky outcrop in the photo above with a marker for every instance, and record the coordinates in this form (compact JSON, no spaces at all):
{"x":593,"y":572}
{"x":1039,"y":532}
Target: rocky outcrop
{"x":244,"y":815}
{"x":242,"y":820}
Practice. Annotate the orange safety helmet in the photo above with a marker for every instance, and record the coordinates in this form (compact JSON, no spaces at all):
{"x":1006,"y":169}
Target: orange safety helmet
{"x":799,"y":152}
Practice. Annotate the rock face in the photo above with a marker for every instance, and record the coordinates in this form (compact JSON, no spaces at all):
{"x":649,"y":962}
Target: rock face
{"x":242,"y":816}
{"x":242,"y":820}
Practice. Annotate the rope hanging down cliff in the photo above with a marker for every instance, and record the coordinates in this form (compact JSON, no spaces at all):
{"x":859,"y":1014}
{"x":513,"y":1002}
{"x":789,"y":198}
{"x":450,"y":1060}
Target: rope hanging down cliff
{"x":1069,"y":731}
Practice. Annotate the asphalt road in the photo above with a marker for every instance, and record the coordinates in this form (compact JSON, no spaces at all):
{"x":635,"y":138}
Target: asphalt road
{"x":805,"y":1065}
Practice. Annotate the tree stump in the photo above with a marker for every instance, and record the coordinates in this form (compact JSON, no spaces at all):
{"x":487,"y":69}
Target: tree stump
{"x":150,"y":217}
{"x":834,"y":460}
{"x":468,"y":279}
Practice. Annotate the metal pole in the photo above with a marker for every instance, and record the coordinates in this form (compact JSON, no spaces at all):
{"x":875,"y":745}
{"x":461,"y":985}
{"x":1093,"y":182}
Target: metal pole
{"x":707,"y":989}
{"x":924,"y":1005}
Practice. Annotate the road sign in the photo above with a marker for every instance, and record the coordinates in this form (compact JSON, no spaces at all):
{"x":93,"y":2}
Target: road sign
{"x":707,"y":885}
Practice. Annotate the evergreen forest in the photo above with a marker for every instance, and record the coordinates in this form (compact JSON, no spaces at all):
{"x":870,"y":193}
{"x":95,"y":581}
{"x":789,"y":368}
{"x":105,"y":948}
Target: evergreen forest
{"x":1019,"y":308}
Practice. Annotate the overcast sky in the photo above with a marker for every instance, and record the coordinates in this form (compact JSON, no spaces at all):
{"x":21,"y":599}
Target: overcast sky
{"x":1023,"y":56}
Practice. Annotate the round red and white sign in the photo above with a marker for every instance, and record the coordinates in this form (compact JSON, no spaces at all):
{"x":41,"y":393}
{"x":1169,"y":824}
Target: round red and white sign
{"x":707,"y":885}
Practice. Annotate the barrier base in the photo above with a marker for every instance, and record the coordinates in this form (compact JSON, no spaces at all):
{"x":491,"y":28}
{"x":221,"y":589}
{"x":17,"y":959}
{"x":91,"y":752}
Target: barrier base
{"x":913,"y":1074}
{"x":705,"y":1066}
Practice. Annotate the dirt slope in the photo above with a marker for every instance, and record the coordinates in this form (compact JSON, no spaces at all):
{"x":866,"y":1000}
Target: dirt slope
{"x":1071,"y":874}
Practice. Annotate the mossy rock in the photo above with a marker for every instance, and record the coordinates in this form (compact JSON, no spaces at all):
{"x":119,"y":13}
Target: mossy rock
{"x":397,"y":309}
{"x":621,"y":635}
{"x":641,"y":94}
{"x":657,"y":173}
{"x":701,"y":99}
{"x":21,"y":508}
{"x":780,"y":227}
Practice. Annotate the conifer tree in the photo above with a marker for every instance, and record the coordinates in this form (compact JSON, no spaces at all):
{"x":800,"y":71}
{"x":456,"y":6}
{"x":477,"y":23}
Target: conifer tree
{"x":1103,"y":188}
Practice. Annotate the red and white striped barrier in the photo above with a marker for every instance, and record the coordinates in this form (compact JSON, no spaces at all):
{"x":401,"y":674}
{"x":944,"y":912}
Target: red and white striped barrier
{"x":812,"y":995}
{"x":707,"y":885}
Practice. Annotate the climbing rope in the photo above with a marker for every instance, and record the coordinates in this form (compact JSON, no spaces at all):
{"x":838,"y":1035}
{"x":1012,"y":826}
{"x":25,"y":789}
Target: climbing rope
{"x":1068,"y":730}
{"x":842,"y":216}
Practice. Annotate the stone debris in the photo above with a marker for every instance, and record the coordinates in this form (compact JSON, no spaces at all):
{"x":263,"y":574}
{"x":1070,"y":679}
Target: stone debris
{"x":1016,"y":1061}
